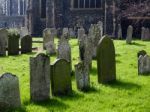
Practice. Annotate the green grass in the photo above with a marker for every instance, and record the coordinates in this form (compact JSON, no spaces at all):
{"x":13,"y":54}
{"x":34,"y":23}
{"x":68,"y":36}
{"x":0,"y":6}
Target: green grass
{"x":130,"y":93}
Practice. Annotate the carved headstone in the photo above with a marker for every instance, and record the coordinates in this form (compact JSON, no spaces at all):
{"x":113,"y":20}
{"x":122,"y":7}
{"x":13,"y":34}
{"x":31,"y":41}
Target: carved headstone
{"x":119,"y":31}
{"x":40,"y":77}
{"x":106,"y":64}
{"x":9,"y":91}
{"x":3,"y":41}
{"x":23,"y":32}
{"x":13,"y":44}
{"x":64,"y":49}
{"x":144,"y":64}
{"x":26,"y":44}
{"x":60,"y":77}
{"x":48,"y":38}
{"x":129,"y":35}
{"x":82,"y":76}
{"x":65,"y":32}
{"x":95,"y":34}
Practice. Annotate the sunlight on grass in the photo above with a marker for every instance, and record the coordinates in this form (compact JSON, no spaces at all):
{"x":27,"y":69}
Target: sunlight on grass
{"x":129,"y":93}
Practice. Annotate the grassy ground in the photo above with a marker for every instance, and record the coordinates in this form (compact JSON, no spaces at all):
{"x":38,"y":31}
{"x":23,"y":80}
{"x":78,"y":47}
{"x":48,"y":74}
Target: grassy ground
{"x":130,"y":93}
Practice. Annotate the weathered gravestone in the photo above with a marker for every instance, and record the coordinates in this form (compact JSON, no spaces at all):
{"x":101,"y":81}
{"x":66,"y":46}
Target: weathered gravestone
{"x":82,"y":76}
{"x":13,"y":44}
{"x":23,"y":32}
{"x":64,"y":49}
{"x":26,"y":44}
{"x":60,"y":77}
{"x":72,"y":32}
{"x":82,"y":69}
{"x":106,"y":64}
{"x":81,"y":33}
{"x":48,"y":40}
{"x":147,"y":34}
{"x":142,"y":52}
{"x":65,"y":32}
{"x":3,"y":41}
{"x":95,"y":34}
{"x":129,"y":35}
{"x":9,"y":91}
{"x":100,"y":25}
{"x":40,"y":77}
{"x":144,"y":64}
{"x":119,"y":31}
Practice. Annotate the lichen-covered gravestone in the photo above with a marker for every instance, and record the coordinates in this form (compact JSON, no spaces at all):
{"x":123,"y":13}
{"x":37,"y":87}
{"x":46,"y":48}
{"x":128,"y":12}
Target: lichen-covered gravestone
{"x":147,"y":34}
{"x":13,"y":43}
{"x":64,"y":49}
{"x":95,"y":34}
{"x":26,"y":44}
{"x":106,"y":64}
{"x":40,"y":77}
{"x":60,"y":77}
{"x":82,"y":76}
{"x":129,"y":35}
{"x":48,"y":40}
{"x":9,"y":91}
{"x":3,"y":41}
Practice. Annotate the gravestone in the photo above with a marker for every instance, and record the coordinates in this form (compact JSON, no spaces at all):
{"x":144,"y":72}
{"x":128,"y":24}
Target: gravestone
{"x":106,"y":64}
{"x":48,"y":40}
{"x":23,"y":32}
{"x":143,"y":34}
{"x":60,"y":77}
{"x":26,"y":44}
{"x":3,"y":41}
{"x":147,"y":34}
{"x":64,"y":49}
{"x":100,"y":25}
{"x":95,"y":34}
{"x":13,"y":44}
{"x":142,"y":52}
{"x":119,"y":31}
{"x":82,"y":76}
{"x":65,"y":32}
{"x":40,"y":77}
{"x":81,"y":33}
{"x":72,"y":32}
{"x":129,"y":35}
{"x":9,"y":91}
{"x":144,"y":64}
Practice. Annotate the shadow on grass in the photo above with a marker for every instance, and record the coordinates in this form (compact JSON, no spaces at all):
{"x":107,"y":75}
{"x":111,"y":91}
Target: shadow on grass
{"x":137,"y":44}
{"x":118,"y":55}
{"x":93,"y":71}
{"x":118,"y":61}
{"x":124,"y":85}
{"x":21,"y":109}
{"x":91,"y":89}
{"x":71,"y":96}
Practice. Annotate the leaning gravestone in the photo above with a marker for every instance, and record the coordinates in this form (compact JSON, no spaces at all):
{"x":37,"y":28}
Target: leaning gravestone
{"x":13,"y":43}
{"x":82,"y":76}
{"x":9,"y":91}
{"x":26,"y":44}
{"x":40,"y":77}
{"x":60,"y":77}
{"x":106,"y":64}
{"x":3,"y":41}
{"x":129,"y":35}
{"x":144,"y":64}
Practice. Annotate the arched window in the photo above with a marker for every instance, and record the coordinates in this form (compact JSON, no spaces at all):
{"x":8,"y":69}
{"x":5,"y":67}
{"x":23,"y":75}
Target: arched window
{"x":87,"y":4}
